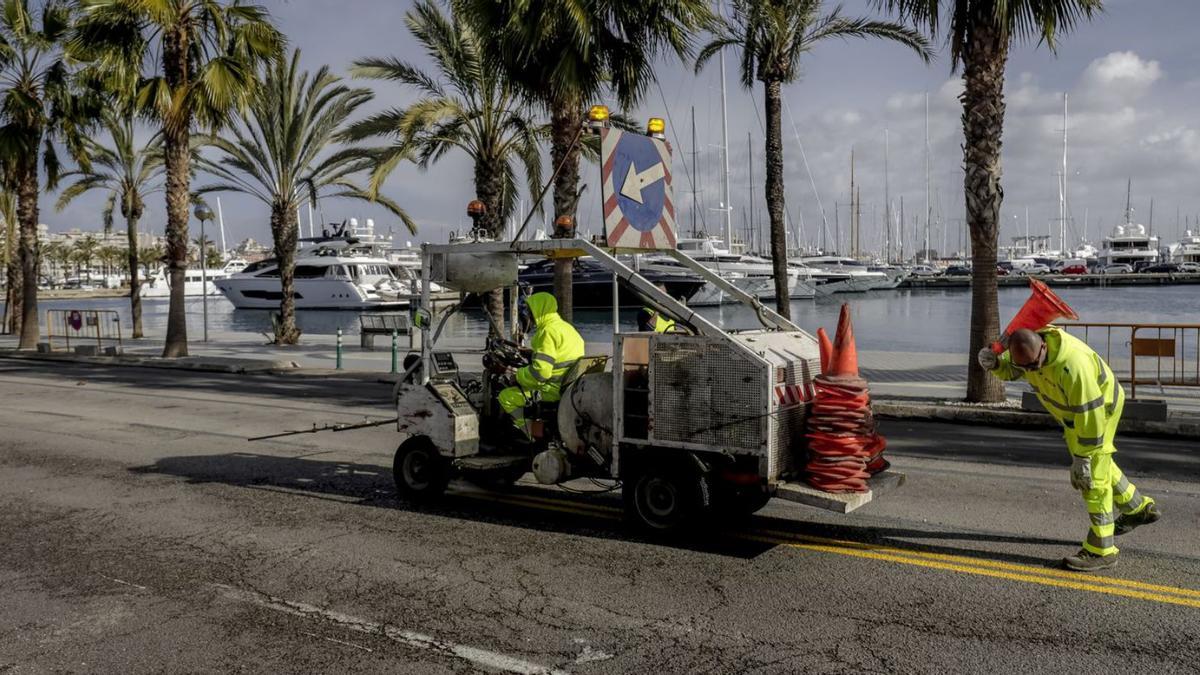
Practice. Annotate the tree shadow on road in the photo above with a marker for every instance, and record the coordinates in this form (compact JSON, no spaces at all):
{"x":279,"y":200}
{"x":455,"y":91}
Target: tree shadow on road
{"x":544,"y":509}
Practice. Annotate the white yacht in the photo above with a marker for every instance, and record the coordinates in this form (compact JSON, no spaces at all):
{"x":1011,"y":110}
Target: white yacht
{"x":845,"y":275}
{"x":335,"y":273}
{"x":751,"y":274}
{"x":1186,"y":249}
{"x":1130,"y":245}
{"x":159,"y":285}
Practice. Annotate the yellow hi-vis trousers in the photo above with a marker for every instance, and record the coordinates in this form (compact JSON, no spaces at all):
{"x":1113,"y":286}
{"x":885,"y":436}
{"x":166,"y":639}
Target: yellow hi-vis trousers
{"x":1109,"y":487}
{"x":513,"y":401}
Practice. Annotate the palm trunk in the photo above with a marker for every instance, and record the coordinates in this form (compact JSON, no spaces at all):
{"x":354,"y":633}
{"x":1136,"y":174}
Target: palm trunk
{"x":12,"y":269}
{"x":176,"y":145}
{"x":983,"y":125}
{"x":775,"y":198}
{"x":27,"y":215}
{"x":489,"y":188}
{"x":283,"y":232}
{"x":178,"y":185}
{"x":135,"y":284}
{"x":564,"y":123}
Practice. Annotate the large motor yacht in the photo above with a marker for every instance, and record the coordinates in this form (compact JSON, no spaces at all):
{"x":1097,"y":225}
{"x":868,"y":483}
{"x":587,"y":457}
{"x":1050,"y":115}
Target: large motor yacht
{"x":194,"y":281}
{"x":333,"y":273}
{"x":1186,"y":249}
{"x":1130,"y":245}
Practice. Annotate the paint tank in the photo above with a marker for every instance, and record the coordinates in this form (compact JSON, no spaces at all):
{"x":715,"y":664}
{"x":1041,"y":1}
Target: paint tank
{"x":474,"y":272}
{"x":585,"y":415}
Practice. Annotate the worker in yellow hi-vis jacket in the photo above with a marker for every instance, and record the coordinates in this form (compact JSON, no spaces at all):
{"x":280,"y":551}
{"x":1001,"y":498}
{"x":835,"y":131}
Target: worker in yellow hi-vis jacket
{"x":1079,"y":390}
{"x":556,"y":346}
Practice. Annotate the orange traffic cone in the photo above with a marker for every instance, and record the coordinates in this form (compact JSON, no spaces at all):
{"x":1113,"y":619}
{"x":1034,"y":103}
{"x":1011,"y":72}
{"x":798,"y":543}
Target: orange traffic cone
{"x":1041,"y":309}
{"x":826,"y":349}
{"x":844,"y":362}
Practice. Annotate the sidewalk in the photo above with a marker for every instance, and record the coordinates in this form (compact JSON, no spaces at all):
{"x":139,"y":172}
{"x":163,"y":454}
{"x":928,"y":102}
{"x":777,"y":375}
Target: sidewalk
{"x":913,"y":385}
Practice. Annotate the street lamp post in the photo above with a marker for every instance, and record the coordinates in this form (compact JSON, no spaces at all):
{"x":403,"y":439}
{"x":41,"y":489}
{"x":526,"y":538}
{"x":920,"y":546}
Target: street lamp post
{"x":203,"y":213}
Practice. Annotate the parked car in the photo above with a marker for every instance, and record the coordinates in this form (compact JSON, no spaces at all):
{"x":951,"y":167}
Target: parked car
{"x":1117,"y":268}
{"x":1075,"y":268}
{"x":1160,"y":268}
{"x":1189,"y":267}
{"x":1035,"y":268}
{"x":1002,"y":271}
{"x":957,"y":271}
{"x":922,"y":271}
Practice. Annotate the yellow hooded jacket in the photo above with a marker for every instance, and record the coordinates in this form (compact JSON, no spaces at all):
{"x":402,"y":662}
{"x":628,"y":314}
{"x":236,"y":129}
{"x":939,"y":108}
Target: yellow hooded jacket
{"x":1078,"y":389}
{"x":556,"y":347}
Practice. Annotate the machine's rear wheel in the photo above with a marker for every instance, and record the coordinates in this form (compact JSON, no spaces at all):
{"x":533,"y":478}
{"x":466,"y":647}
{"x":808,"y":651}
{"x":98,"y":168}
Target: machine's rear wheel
{"x":420,"y":472}
{"x":663,"y":498}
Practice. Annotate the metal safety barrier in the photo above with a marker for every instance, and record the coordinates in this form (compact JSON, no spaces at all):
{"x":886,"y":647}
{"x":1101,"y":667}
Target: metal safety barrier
{"x":1162,"y":354}
{"x":83,"y":327}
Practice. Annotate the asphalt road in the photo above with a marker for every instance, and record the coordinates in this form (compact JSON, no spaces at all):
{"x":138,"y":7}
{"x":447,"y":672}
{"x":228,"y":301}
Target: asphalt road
{"x":141,"y":532}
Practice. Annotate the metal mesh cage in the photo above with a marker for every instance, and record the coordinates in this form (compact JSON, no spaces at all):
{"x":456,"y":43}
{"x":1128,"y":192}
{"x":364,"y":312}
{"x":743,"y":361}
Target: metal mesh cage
{"x":707,"y":393}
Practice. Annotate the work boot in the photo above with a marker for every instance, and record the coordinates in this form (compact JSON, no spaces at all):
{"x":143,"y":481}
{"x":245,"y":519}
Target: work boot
{"x":1086,"y":561}
{"x":1126,"y":522}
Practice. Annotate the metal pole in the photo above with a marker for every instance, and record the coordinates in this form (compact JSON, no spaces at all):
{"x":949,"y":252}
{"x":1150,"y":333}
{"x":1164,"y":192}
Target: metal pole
{"x":887,"y":201}
{"x":221,"y":222}
{"x":695,"y":177}
{"x":338,"y":352}
{"x":928,"y":206}
{"x":393,"y":351}
{"x":203,"y":279}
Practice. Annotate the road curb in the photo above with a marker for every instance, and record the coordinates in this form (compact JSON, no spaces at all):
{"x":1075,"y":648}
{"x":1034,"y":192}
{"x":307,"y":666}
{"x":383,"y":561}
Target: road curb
{"x":204,"y":364}
{"x":1181,"y":426}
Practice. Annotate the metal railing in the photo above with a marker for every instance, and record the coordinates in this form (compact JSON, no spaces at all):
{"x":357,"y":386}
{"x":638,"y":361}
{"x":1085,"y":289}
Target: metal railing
{"x":101,"y":327}
{"x":1162,"y":354}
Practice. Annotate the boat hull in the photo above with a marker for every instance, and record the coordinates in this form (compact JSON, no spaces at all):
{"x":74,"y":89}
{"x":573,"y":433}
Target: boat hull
{"x":266,"y":293}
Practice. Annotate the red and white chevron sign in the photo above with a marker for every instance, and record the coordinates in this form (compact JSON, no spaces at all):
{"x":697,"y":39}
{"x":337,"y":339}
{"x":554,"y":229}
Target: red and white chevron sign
{"x":636,"y":189}
{"x":793,"y":394}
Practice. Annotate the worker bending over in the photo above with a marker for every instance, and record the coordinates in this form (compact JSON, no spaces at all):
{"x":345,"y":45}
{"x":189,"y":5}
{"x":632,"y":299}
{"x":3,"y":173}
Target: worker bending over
{"x":652,"y":321}
{"x":556,"y":346}
{"x":1079,"y":390}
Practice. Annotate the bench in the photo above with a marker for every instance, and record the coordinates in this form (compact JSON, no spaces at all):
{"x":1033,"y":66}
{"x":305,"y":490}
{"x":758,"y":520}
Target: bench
{"x":370,"y":325}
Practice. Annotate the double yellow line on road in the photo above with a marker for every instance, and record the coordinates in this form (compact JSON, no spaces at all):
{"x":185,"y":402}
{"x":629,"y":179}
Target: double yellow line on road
{"x":1031,"y":574}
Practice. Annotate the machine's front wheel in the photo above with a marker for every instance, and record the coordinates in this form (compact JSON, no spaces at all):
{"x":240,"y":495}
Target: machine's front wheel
{"x":421,"y":473}
{"x":663,"y":499}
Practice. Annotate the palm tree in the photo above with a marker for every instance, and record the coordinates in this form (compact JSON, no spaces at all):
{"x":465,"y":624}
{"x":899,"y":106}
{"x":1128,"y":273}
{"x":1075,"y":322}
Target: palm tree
{"x":149,"y":258}
{"x":566,"y":54}
{"x":466,"y":106}
{"x":278,"y":155}
{"x":980,"y":35}
{"x":191,"y":63}
{"x":772,"y":36}
{"x":85,"y":249}
{"x":36,"y":107}
{"x":129,"y":174}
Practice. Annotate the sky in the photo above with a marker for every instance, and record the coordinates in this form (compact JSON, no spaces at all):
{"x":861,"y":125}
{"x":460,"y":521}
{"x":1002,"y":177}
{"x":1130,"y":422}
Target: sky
{"x":1133,"y":93}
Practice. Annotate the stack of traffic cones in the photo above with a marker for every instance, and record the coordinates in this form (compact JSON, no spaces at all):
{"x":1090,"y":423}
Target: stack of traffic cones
{"x":844,"y":449}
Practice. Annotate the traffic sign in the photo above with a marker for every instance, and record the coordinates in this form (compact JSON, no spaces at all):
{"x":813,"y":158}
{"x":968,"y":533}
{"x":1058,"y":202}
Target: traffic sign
{"x":75,"y":320}
{"x":636,"y":189}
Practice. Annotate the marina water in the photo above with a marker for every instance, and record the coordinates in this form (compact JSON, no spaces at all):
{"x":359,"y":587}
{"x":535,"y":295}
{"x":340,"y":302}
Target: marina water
{"x":896,"y":320}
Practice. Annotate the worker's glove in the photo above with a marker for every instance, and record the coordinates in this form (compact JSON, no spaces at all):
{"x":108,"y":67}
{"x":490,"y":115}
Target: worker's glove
{"x":987,"y":358}
{"x":1081,"y":473}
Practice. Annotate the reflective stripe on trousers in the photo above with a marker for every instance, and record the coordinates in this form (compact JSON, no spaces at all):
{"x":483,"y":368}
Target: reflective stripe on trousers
{"x":1109,"y":487}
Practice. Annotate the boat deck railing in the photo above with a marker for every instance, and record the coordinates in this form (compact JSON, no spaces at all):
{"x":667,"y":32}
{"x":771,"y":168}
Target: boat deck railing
{"x":1158,"y":354}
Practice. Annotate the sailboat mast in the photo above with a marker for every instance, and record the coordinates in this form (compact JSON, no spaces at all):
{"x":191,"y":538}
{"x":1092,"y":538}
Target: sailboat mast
{"x":728,"y":209}
{"x":1062,"y":188}
{"x":752,"y":234}
{"x":853,"y":210}
{"x":887,"y":202}
{"x":695,"y":177}
{"x":928,"y":203}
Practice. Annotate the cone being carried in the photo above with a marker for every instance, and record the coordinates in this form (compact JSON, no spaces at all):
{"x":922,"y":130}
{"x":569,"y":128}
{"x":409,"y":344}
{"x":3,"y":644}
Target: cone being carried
{"x":1041,"y":309}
